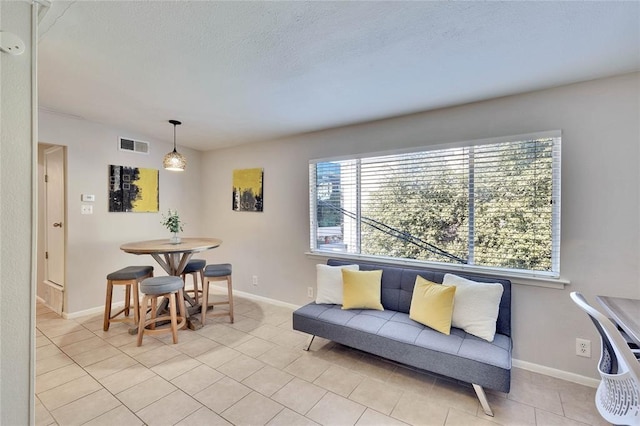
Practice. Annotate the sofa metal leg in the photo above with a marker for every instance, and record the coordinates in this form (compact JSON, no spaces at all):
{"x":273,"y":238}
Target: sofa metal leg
{"x":483,"y":399}
{"x":310,"y":342}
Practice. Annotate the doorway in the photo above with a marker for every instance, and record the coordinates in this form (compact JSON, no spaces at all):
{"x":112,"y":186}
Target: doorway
{"x":52,"y":235}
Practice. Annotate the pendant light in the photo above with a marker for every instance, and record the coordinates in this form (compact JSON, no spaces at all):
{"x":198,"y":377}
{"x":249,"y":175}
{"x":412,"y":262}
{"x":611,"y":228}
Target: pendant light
{"x":174,"y":160}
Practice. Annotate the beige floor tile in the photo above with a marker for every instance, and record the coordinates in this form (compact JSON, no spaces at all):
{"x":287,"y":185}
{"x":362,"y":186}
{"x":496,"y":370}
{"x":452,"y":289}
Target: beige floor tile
{"x":376,"y":394}
{"x":101,"y":353}
{"x":118,"y":416}
{"x":299,"y":395}
{"x":253,"y":409}
{"x":545,"y":418}
{"x":373,"y":418}
{"x":265,"y":331}
{"x":218,"y":356}
{"x":52,"y":363}
{"x":267,"y":380}
{"x":60,"y":327}
{"x":333,"y":409}
{"x":339,"y":380}
{"x":175,"y":366}
{"x":126,"y":378}
{"x":110,"y":366}
{"x":289,"y":339}
{"x":84,"y":409}
{"x":233,"y":338}
{"x":308,"y":367}
{"x":537,"y":396}
{"x":68,"y":392}
{"x":42,"y":340}
{"x":460,"y":418}
{"x":455,"y":395}
{"x":43,"y":416}
{"x":579,"y":405}
{"x":46,"y":351}
{"x":412,"y":380}
{"x":287,"y":417}
{"x":339,"y":354}
{"x":419,"y":410}
{"x":120,"y":339}
{"x":222,"y":394}
{"x":245,"y":324}
{"x":157,"y":356}
{"x":196,"y":347}
{"x":280,"y":357}
{"x":57,"y":377}
{"x":240,"y":367}
{"x":255,"y":347}
{"x":506,"y":411}
{"x":169,"y":409}
{"x":115,"y":329}
{"x":203,"y":417}
{"x":148,"y":343}
{"x":374,"y":367}
{"x":139,"y":396}
{"x":85,"y":345}
{"x":197,"y":379}
{"x":71,"y":338}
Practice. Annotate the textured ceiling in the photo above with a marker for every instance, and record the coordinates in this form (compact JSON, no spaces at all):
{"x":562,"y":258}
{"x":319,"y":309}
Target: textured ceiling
{"x":239,"y":72}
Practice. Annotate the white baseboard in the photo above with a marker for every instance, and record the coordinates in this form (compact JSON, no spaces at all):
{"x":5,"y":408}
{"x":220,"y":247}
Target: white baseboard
{"x":91,"y":311}
{"x":256,"y":297}
{"x":558,"y":374}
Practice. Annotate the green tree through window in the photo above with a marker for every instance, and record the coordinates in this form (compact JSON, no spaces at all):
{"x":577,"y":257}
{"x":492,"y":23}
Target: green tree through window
{"x":492,"y":205}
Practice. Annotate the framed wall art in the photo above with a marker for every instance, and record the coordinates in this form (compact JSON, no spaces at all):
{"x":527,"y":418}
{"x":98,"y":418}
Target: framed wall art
{"x":133,"y":189}
{"x":247,"y":190}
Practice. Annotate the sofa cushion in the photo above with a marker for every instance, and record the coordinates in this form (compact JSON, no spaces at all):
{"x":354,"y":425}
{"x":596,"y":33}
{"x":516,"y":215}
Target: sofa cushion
{"x":476,"y":305}
{"x":361,"y":289}
{"x":432,"y":305}
{"x":329,"y":283}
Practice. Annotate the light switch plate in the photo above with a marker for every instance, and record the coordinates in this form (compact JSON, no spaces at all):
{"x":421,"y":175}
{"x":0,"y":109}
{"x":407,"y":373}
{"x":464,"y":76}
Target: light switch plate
{"x":88,"y":197}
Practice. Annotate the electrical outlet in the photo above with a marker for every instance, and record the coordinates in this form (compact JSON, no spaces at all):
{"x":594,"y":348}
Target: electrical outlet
{"x":254,"y":280}
{"x":583,"y":348}
{"x":310,"y":292}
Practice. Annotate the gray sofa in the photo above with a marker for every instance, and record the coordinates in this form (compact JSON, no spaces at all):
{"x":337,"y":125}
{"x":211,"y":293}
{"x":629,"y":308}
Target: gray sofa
{"x":393,"y":335}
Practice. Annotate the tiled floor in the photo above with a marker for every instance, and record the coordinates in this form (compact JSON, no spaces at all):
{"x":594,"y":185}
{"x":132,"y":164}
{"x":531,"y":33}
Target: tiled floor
{"x":254,"y":372}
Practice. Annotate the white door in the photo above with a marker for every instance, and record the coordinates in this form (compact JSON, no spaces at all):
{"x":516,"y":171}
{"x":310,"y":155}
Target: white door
{"x":54,"y":217}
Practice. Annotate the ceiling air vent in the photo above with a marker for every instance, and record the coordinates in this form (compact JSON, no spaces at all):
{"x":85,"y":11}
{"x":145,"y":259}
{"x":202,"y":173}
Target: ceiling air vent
{"x":132,"y":145}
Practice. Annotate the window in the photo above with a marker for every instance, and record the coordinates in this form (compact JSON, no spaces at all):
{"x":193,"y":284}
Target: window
{"x":487,"y":204}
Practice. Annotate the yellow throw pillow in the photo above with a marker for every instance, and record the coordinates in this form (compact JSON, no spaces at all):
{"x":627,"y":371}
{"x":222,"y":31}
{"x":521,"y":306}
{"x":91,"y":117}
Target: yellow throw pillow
{"x":361,"y":289}
{"x":432,"y":305}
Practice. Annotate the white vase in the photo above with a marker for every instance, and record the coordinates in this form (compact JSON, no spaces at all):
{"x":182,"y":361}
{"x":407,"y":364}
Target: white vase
{"x":175,"y":239}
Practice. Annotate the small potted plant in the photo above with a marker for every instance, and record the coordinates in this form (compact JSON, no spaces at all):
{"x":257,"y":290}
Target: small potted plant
{"x":173,"y":223}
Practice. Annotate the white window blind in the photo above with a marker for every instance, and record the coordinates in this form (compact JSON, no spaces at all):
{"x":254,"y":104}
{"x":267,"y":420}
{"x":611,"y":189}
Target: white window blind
{"x":493,"y":204}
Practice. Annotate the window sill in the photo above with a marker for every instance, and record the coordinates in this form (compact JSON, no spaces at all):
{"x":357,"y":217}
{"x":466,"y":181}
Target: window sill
{"x":520,"y":279}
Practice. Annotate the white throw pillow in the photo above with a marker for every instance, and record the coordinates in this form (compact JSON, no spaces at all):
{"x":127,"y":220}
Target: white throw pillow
{"x":329,"y":283}
{"x":475,"y":306}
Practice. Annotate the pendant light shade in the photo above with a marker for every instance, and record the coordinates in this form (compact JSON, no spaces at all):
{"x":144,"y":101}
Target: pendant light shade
{"x":174,"y":160}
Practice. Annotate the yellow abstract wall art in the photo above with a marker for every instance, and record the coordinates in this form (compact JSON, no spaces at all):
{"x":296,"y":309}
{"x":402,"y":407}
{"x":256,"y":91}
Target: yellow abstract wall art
{"x":133,"y":189}
{"x":247,"y":190}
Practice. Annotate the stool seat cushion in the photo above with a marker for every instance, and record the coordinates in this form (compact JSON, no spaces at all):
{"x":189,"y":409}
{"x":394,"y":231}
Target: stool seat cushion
{"x":161,"y":285}
{"x":219,"y":270}
{"x":194,"y":265}
{"x":130,"y":273}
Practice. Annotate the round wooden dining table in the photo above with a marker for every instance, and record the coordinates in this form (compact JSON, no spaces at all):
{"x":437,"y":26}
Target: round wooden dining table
{"x":173,"y":258}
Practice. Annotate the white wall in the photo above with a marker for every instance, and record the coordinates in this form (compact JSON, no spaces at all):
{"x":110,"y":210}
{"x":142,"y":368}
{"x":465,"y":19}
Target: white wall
{"x":600,"y":203}
{"x":16,"y":299}
{"x":93,"y":241}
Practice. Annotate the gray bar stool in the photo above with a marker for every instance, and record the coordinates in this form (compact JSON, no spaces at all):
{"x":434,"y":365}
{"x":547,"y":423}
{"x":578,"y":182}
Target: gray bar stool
{"x":162,"y":287}
{"x":219,"y":272}
{"x":194,"y":268}
{"x":129,"y":277}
